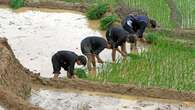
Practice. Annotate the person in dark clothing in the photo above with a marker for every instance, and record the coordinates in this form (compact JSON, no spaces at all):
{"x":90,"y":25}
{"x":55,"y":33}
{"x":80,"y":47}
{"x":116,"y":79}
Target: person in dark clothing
{"x":91,"y":47}
{"x":117,"y":36}
{"x":66,"y":60}
{"x":137,"y":24}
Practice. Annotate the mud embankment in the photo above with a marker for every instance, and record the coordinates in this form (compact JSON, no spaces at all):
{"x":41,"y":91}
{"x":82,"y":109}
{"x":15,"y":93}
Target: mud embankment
{"x":56,"y":4}
{"x":15,"y":85}
{"x":6,"y":2}
{"x":132,"y":90}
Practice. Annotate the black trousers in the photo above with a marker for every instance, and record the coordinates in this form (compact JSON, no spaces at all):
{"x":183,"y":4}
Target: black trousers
{"x":57,"y":65}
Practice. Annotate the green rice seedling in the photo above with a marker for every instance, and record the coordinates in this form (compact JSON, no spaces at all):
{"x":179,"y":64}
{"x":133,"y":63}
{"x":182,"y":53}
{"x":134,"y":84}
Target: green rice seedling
{"x":167,"y":64}
{"x":16,"y":3}
{"x":107,"y":21}
{"x":186,"y":8}
{"x":97,"y":10}
{"x":154,"y":10}
{"x":151,"y":38}
{"x":81,"y":73}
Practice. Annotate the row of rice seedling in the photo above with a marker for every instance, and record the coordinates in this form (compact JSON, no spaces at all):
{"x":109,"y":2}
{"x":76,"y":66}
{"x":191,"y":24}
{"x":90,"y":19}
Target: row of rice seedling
{"x":187,"y":10}
{"x":157,"y":9}
{"x":166,"y":64}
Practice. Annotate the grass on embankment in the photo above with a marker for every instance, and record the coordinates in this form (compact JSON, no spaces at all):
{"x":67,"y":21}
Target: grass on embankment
{"x":167,"y":64}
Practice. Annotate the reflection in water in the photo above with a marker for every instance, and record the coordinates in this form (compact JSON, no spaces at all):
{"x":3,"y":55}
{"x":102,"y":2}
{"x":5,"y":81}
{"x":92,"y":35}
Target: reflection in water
{"x":56,"y":100}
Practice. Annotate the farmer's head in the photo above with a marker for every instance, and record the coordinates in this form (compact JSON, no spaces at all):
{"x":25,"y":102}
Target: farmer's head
{"x":81,"y":60}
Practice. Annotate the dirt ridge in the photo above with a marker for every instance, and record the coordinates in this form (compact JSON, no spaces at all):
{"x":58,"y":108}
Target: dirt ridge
{"x":81,"y":7}
{"x":123,"y":89}
{"x":15,"y":84}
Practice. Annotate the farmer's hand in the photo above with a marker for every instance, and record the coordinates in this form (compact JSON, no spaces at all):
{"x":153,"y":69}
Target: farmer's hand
{"x":123,"y":54}
{"x":100,"y":61}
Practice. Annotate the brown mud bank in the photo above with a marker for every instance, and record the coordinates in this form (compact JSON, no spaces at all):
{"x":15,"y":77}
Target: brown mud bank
{"x":15,"y":85}
{"x":6,"y":2}
{"x":123,"y":89}
{"x":56,"y":4}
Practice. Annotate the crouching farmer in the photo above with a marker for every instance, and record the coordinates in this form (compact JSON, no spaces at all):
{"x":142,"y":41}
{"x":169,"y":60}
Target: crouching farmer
{"x":66,"y":60}
{"x":117,"y":37}
{"x":91,"y":47}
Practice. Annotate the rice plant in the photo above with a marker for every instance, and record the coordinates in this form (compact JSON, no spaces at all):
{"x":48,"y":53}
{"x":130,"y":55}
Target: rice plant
{"x":151,"y":38}
{"x":156,"y":9}
{"x":16,"y":3}
{"x":186,"y":8}
{"x":106,"y":21}
{"x":96,"y":11}
{"x":166,"y":64}
{"x":80,"y":73}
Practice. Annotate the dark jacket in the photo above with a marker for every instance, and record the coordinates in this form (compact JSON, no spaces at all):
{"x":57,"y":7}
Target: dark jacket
{"x":116,"y":36}
{"x":93,"y":45}
{"x":135,"y":24}
{"x":65,"y":59}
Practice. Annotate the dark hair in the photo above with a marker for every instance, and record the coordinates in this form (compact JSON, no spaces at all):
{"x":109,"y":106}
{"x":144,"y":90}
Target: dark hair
{"x":82,"y":59}
{"x":153,"y":23}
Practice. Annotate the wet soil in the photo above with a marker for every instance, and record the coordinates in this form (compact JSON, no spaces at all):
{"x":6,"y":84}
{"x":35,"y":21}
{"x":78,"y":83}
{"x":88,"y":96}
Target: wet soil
{"x":15,"y":84}
{"x":56,"y":4}
{"x":5,"y":2}
{"x":51,"y":99}
{"x":12,"y":102}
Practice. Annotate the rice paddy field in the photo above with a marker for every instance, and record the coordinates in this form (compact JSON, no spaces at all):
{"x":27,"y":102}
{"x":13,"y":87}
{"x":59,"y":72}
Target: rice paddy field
{"x":167,"y":64}
{"x":160,"y":11}
{"x":187,"y":10}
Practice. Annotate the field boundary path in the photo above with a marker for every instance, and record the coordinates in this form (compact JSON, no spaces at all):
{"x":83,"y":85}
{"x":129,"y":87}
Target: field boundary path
{"x":123,"y":89}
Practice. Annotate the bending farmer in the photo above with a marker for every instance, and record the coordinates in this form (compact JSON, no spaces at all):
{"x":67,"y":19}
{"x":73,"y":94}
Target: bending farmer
{"x":91,"y":47}
{"x":66,"y":60}
{"x":117,"y":36}
{"x":137,"y":24}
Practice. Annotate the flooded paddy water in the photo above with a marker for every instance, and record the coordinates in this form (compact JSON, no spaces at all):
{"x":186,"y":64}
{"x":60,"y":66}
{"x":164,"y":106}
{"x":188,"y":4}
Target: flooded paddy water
{"x":58,"y":100}
{"x":1,"y":108}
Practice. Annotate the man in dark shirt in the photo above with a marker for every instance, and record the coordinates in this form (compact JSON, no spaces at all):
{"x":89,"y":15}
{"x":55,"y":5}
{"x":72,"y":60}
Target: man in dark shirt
{"x":137,"y":24}
{"x":91,"y":47}
{"x":117,"y":36}
{"x":66,"y":60}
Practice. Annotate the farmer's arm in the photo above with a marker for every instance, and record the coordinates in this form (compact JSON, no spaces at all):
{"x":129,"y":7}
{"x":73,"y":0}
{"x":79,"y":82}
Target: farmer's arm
{"x":121,"y":52}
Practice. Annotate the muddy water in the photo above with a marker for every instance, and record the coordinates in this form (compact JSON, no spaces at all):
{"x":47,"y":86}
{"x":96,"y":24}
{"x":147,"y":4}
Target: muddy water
{"x":1,"y":108}
{"x":57,"y":100}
